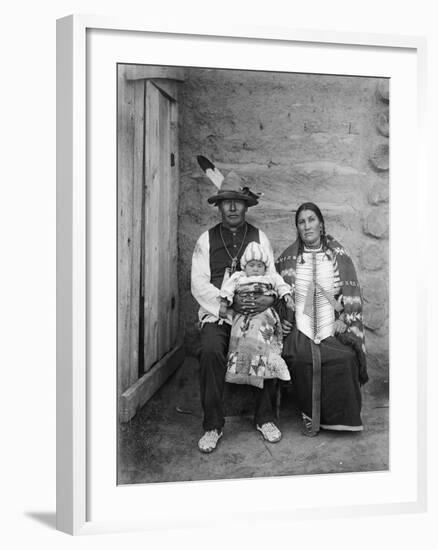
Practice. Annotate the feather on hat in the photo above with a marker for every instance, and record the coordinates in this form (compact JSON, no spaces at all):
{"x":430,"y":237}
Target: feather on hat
{"x":232,"y":186}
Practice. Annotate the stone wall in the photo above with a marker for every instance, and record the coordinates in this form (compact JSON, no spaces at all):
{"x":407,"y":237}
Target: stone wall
{"x":295,"y":137}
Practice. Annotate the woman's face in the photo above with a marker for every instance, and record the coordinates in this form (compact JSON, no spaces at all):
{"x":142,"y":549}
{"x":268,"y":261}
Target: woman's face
{"x":309,"y":227}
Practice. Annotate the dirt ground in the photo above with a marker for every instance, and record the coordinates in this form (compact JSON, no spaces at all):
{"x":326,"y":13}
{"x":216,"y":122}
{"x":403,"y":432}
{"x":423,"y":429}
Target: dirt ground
{"x":160,"y":443}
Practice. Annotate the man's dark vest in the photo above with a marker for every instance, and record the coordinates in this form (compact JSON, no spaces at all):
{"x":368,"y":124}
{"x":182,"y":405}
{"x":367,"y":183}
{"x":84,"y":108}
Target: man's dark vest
{"x":219,"y":258}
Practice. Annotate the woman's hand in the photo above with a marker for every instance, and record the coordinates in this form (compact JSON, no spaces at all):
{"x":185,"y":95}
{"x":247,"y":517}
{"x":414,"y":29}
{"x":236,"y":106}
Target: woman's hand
{"x":289,"y":302}
{"x":252,"y":306}
{"x":286,"y":326}
{"x":340,"y":327}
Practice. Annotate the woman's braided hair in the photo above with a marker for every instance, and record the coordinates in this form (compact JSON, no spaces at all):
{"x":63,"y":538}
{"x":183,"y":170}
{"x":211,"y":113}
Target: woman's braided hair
{"x":311,"y":206}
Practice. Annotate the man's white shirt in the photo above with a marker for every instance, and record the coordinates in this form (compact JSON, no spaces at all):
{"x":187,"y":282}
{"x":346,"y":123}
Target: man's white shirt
{"x":204,"y":292}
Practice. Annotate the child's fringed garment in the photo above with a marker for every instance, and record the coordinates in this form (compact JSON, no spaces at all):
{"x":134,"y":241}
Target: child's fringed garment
{"x":256,"y":343}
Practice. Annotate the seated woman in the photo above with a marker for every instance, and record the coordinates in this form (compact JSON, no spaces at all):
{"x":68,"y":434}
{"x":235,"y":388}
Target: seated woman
{"x":324,"y":348}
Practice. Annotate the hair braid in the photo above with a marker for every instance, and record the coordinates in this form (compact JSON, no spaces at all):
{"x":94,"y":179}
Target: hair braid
{"x":324,"y":240}
{"x":300,"y":249}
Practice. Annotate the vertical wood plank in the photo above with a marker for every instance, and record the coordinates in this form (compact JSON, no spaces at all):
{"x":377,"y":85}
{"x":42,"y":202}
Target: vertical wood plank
{"x":173,"y":216}
{"x":137,"y":200}
{"x":125,"y":170}
{"x":151,"y":244}
{"x":164,"y":221}
{"x":160,"y":225}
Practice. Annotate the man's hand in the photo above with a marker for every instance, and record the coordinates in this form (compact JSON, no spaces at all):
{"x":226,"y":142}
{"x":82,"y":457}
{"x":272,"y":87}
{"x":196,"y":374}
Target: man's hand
{"x":262,"y":303}
{"x":240,"y":304}
{"x":252,"y":306}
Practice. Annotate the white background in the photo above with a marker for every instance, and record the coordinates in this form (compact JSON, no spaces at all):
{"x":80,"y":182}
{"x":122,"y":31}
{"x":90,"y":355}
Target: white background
{"x":27,"y":124}
{"x":240,"y":498}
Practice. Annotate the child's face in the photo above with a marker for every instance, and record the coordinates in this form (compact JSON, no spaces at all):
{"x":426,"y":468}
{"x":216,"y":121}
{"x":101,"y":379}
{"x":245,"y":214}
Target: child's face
{"x":255,"y":267}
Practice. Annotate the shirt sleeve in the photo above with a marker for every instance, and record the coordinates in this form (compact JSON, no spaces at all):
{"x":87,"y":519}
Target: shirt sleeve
{"x":229,"y":287}
{"x":281,"y":287}
{"x":204,"y":292}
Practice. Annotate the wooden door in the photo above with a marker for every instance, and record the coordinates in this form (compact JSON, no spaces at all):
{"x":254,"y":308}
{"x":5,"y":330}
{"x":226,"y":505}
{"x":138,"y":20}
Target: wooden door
{"x":130,"y":182}
{"x":148,"y":345}
{"x":160,"y":254}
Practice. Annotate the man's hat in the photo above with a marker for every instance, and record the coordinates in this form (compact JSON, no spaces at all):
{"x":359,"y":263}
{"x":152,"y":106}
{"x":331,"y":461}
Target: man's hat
{"x":232,"y":186}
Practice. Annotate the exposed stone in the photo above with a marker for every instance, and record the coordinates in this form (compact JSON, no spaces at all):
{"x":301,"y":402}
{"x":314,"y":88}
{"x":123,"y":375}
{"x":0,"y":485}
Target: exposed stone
{"x":374,"y":289}
{"x":377,"y":223}
{"x":376,"y":344}
{"x":379,"y":157}
{"x":382,"y":124}
{"x":374,"y":363}
{"x":372,"y":257}
{"x":354,"y":128}
{"x":374,"y":317}
{"x":326,"y":167}
{"x":379,"y":193}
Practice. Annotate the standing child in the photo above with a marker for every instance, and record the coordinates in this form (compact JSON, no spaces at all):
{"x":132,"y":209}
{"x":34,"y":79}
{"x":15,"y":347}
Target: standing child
{"x":256,"y":340}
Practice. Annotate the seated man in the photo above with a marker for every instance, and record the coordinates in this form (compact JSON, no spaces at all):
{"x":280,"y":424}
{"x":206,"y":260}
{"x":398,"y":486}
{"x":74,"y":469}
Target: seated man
{"x":217,"y":254}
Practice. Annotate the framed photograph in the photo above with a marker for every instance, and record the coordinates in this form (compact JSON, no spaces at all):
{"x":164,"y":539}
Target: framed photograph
{"x":182,"y":152}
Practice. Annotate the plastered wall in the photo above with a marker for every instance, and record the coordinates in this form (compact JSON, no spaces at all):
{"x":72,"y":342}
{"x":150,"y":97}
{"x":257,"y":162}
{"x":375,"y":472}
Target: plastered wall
{"x":294,"y":137}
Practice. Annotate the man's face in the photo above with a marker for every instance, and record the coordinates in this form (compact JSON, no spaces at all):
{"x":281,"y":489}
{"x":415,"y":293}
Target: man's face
{"x":233,"y":212}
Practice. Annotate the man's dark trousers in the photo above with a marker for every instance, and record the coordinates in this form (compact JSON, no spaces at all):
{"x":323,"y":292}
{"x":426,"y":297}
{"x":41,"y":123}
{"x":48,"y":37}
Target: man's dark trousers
{"x":213,"y":361}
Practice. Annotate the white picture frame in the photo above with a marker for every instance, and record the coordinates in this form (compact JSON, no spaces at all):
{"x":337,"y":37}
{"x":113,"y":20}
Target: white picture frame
{"x":76,"y":214}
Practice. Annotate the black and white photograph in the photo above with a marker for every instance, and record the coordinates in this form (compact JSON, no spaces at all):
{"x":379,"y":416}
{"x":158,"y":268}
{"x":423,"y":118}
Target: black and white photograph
{"x":252,"y":274}
{"x":218,"y":304}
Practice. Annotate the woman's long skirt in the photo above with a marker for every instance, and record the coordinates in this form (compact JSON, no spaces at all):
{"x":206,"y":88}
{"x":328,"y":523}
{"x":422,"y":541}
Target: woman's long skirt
{"x":340,"y":390}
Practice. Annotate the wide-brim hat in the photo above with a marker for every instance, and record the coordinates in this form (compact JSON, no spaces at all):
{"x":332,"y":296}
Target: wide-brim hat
{"x":232,"y":186}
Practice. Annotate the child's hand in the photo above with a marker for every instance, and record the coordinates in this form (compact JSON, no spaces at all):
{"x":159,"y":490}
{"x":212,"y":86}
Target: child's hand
{"x":223,"y":311}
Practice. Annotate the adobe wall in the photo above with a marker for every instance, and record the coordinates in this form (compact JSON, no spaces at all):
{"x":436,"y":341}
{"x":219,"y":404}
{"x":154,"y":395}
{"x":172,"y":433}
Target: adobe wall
{"x":296,"y":138}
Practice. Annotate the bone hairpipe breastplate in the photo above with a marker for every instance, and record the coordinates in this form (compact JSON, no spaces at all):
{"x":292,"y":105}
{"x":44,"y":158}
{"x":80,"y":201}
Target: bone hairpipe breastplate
{"x":319,"y":324}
